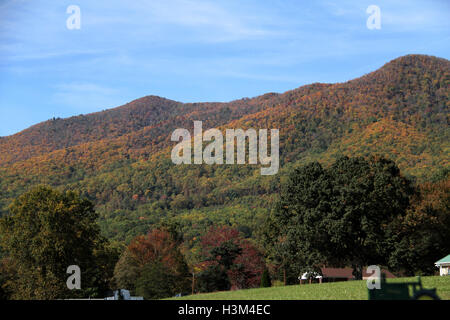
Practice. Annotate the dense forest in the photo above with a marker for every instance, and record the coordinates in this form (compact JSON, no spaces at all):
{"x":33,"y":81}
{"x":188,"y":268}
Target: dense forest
{"x":356,"y":212}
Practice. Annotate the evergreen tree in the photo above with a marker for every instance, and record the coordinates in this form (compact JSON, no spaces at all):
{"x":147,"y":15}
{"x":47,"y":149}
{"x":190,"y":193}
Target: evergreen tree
{"x":265,"y":279}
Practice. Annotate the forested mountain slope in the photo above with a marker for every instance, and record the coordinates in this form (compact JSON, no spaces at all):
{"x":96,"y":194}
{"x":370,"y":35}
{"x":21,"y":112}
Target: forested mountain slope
{"x":120,"y":158}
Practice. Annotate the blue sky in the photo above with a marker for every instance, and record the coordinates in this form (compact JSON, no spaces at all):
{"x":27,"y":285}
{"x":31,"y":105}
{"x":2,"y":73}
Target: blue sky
{"x":189,"y":50}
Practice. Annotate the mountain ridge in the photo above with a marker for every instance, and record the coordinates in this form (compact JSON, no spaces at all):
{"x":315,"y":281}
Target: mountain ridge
{"x":138,"y":114}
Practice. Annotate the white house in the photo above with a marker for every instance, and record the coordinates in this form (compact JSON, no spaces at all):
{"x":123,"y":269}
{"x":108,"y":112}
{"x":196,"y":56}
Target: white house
{"x":444,"y":265}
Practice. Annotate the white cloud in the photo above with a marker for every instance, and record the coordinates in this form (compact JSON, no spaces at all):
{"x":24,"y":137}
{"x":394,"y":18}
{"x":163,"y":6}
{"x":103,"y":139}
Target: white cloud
{"x":85,"y":88}
{"x":85,"y":96}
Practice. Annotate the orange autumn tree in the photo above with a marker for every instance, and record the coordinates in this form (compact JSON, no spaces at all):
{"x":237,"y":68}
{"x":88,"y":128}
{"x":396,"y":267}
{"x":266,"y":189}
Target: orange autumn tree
{"x":156,"y":248}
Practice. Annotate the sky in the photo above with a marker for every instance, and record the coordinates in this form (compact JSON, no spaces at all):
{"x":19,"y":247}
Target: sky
{"x":195,"y":51}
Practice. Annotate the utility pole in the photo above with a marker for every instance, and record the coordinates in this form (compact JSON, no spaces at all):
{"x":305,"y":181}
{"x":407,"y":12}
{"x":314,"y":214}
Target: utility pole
{"x":193,"y":282}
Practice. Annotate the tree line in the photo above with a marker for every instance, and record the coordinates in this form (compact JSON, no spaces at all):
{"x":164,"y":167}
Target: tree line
{"x":353,"y":213}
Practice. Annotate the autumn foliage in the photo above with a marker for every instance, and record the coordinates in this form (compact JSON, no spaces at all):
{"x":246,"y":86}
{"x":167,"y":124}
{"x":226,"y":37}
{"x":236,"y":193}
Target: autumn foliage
{"x":249,"y":263}
{"x":156,"y":248}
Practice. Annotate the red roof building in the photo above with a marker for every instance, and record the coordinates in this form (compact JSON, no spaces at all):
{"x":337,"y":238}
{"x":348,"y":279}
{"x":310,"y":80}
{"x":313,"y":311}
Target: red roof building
{"x":345,"y":274}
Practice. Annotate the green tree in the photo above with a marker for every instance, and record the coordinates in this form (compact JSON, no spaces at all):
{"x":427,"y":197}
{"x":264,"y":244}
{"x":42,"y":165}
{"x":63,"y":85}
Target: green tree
{"x":221,"y":261}
{"x":213,"y":278}
{"x":127,"y":271}
{"x":156,"y":282}
{"x":225,"y":254}
{"x":422,"y":236}
{"x":265,"y":279}
{"x":339,"y":215}
{"x":4,"y":295}
{"x":47,"y":231}
{"x":140,"y":262}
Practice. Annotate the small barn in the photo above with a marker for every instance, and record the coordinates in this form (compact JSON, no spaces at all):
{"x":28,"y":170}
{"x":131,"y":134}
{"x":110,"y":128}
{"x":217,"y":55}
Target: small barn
{"x":346,"y":274}
{"x":337,"y":274}
{"x":443,"y":265}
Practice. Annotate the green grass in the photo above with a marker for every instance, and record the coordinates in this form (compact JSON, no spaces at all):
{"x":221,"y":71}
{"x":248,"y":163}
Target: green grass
{"x":349,"y":290}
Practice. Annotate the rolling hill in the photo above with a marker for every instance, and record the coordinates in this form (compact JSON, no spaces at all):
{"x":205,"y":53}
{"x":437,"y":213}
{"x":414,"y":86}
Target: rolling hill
{"x":120,"y":158}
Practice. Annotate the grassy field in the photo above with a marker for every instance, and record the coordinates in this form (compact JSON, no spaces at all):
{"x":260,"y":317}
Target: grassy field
{"x":349,"y":290}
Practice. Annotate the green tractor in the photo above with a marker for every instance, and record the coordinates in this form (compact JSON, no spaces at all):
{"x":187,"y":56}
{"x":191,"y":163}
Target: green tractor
{"x":401,"y":291}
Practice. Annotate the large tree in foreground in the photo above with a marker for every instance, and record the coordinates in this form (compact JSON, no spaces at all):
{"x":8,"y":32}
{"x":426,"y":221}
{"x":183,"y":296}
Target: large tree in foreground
{"x":422,"y":236}
{"x":339,"y":215}
{"x":153,"y":266}
{"x":47,"y":231}
{"x":229,"y":261}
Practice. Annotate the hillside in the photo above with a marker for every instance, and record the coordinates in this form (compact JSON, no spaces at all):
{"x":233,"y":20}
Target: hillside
{"x":344,"y":290}
{"x":120,"y":158}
